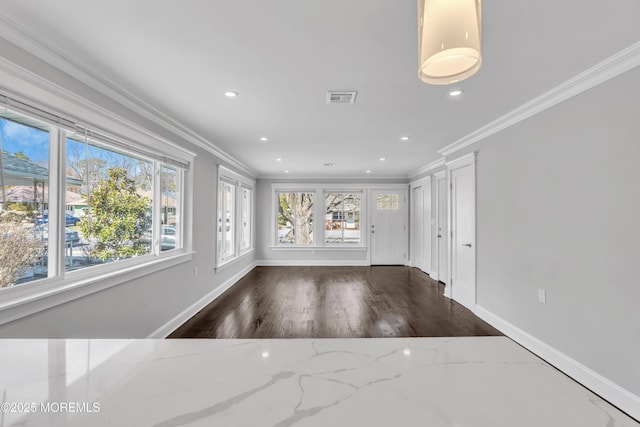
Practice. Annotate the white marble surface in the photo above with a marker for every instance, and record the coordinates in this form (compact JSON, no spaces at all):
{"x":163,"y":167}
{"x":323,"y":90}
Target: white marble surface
{"x":453,"y":382}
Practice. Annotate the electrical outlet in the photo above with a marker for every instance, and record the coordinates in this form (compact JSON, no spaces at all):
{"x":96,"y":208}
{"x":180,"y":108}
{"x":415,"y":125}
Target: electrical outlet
{"x":542,"y":296}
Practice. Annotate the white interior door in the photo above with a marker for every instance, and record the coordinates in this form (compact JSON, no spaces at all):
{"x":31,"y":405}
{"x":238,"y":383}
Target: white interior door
{"x":442,"y":229}
{"x":388,"y":227}
{"x":417,"y":227}
{"x":463,"y":253}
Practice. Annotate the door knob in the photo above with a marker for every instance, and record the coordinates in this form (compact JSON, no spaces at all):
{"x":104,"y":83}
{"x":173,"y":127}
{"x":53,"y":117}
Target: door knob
{"x":439,"y":236}
{"x":372,"y":231}
{"x":467,"y":245}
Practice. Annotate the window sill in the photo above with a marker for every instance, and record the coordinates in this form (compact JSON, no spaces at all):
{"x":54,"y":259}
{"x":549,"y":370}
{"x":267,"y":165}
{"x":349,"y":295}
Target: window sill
{"x":19,"y":302}
{"x":319,"y":248}
{"x":227,"y":263}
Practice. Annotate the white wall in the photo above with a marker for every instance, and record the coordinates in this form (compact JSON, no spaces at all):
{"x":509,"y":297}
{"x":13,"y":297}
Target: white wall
{"x":558,"y":208}
{"x":137,"y":308}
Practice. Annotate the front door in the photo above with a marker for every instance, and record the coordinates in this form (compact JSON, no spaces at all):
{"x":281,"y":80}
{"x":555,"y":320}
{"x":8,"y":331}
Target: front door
{"x":388,"y":227}
{"x":463,"y":253}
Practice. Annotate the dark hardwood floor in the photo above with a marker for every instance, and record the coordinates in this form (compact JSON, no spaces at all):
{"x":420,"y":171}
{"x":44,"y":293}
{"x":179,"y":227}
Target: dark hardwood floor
{"x":334,"y":302}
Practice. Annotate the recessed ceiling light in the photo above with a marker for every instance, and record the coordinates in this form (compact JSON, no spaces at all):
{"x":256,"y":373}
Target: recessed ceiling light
{"x":279,"y":159}
{"x":286,"y":171}
{"x":264,"y":138}
{"x":230,"y":94}
{"x":382,"y":159}
{"x":367,"y":171}
{"x":405,"y":138}
{"x":455,"y":92}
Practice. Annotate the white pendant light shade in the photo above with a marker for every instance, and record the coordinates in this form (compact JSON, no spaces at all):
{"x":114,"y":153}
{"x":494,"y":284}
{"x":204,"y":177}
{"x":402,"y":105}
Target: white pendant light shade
{"x":449,"y":37}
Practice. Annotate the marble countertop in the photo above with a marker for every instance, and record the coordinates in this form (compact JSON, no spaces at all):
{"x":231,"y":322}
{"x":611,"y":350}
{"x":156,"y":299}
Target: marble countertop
{"x":452,"y":382}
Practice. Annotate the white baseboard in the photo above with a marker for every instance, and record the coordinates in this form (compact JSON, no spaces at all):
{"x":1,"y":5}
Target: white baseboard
{"x":607,"y":389}
{"x":311,"y":263}
{"x":181,"y":318}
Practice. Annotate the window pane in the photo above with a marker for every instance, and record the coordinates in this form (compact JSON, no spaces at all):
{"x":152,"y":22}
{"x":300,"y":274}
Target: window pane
{"x":170,"y":195}
{"x":295,"y":218}
{"x":24,"y":199}
{"x":219,"y":215}
{"x":109,"y":205}
{"x":352,"y":204}
{"x":229,"y":199}
{"x":342,"y":217}
{"x":226,"y":220}
{"x":334,"y":217}
{"x":246,"y":219}
{"x":387,"y":201}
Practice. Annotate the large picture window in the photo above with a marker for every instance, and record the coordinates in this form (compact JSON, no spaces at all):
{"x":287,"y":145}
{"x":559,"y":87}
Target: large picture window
{"x":295,"y":218}
{"x":307,"y":215}
{"x":73,"y":198}
{"x":342,"y":218}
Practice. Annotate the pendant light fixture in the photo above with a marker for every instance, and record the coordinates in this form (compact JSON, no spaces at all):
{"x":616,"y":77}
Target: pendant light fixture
{"x":449,"y":37}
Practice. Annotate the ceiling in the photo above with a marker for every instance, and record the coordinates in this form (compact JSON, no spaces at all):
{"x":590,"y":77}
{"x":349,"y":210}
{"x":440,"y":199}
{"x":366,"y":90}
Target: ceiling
{"x":282,"y":56}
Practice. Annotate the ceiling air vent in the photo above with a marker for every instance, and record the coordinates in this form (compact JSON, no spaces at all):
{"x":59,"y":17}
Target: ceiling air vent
{"x":341,"y":97}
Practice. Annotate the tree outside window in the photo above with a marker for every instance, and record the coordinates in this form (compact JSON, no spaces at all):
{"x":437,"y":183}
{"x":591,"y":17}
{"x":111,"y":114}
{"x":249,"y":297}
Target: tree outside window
{"x":295,"y":218}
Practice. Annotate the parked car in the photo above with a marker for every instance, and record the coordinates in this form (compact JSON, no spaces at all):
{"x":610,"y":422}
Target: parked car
{"x":69,"y":220}
{"x":70,"y":236}
{"x":168,"y":237}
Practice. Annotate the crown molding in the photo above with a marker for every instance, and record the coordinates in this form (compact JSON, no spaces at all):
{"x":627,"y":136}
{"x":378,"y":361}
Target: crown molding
{"x":17,"y":35}
{"x":611,"y":67}
{"x":60,"y":92}
{"x":427,"y":168}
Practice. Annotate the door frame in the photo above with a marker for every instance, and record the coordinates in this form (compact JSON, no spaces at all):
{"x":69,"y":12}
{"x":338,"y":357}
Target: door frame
{"x":468,"y":160}
{"x":404,"y":189}
{"x":436,"y":273}
{"x":427,"y":232}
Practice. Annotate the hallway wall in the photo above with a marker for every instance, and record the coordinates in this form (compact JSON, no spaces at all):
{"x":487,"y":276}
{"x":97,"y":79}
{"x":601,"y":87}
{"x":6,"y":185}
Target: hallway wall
{"x":558,"y":208}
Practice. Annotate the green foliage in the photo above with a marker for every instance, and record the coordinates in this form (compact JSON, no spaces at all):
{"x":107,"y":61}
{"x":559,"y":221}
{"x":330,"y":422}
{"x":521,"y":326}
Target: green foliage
{"x":117,"y":218}
{"x":26,"y":207}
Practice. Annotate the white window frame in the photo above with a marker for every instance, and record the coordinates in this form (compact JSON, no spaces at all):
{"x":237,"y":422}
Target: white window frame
{"x":249,"y":212}
{"x":362,"y":212}
{"x":122,"y":136}
{"x":318,"y":190}
{"x":221,"y":221}
{"x":241,"y":182}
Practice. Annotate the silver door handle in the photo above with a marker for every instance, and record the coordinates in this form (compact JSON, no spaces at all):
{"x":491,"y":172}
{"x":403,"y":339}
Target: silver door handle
{"x":467,"y":245}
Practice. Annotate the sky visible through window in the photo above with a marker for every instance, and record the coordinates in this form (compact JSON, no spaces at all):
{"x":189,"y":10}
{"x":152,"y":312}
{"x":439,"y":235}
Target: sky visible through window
{"x":32,"y":142}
